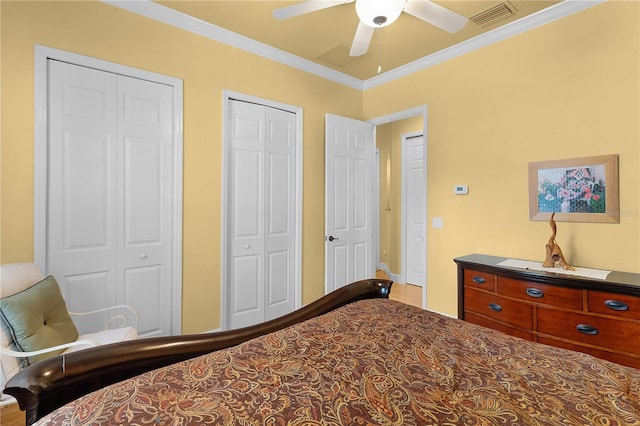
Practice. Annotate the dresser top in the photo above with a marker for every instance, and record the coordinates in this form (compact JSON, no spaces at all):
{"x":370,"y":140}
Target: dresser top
{"x":615,"y":281}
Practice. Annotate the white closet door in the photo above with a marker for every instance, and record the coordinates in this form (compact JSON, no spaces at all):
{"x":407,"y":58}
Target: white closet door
{"x":81,"y":243}
{"x":262,"y":203}
{"x":109,"y":213}
{"x":144,"y":211}
{"x":279,"y":212}
{"x":247,"y":132}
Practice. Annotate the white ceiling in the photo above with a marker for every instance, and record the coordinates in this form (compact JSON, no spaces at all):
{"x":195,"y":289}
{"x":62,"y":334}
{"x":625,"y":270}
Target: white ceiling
{"x":319,"y":41}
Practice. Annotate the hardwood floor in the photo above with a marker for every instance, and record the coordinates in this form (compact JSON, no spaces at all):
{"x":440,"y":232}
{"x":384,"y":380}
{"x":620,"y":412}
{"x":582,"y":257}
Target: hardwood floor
{"x":405,"y":293}
{"x":10,"y":415}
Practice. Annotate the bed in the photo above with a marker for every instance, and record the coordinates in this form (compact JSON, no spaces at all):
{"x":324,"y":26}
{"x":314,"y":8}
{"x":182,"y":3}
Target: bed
{"x":353,"y":357}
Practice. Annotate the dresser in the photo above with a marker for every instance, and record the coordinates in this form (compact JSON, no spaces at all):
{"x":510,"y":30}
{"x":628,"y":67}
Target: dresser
{"x":599,"y":317}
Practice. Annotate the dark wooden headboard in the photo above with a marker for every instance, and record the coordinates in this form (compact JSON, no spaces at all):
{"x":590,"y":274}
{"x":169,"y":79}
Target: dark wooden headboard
{"x":49,"y":384}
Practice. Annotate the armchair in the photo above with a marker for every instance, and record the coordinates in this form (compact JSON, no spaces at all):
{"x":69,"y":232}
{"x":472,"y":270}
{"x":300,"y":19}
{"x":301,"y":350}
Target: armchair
{"x":35,"y":323}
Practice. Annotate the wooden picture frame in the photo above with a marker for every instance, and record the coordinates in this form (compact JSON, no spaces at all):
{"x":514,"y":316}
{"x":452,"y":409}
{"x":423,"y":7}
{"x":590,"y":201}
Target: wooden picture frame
{"x":577,"y":189}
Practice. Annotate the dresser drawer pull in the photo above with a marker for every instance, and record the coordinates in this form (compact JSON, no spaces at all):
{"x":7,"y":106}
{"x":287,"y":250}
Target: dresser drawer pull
{"x":534,"y":292}
{"x":587,"y":329}
{"x":616,"y":305}
{"x":479,"y":280}
{"x":495,"y":307}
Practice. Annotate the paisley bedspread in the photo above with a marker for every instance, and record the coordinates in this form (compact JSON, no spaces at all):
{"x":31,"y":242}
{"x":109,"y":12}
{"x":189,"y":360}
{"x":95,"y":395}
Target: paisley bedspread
{"x":373,"y":362}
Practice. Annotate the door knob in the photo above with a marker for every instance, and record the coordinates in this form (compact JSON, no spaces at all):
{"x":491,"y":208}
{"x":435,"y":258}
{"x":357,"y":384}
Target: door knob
{"x":143,"y":256}
{"x":331,"y":238}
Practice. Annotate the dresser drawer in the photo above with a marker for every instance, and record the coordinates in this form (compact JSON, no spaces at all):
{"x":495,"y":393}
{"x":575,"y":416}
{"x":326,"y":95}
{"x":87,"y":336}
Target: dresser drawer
{"x":621,"y":305}
{"x":631,"y":361}
{"x":479,"y":279}
{"x":545,"y":294}
{"x":498,"y":308}
{"x":507,"y":329}
{"x":608,"y":333}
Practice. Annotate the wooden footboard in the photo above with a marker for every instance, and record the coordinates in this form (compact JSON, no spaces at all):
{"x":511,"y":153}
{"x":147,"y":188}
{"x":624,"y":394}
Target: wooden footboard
{"x":47,"y":385}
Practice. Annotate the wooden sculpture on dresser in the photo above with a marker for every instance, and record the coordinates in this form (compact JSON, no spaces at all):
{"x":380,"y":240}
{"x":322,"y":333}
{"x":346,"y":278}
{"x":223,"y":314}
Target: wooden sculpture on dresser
{"x":554,"y":253}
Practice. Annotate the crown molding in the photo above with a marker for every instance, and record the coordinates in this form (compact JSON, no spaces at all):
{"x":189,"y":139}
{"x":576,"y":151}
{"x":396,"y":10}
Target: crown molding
{"x":186,"y":22}
{"x":157,"y":12}
{"x":545,"y":16}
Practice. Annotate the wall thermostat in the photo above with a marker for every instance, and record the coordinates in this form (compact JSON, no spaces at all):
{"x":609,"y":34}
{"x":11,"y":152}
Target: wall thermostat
{"x":460,"y":189}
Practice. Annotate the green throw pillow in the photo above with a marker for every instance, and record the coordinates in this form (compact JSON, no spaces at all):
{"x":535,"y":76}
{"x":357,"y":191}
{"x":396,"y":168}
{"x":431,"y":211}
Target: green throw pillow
{"x":37,"y":318}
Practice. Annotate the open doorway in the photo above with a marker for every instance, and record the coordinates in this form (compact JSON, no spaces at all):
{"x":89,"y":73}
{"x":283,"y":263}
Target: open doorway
{"x":392,"y":236}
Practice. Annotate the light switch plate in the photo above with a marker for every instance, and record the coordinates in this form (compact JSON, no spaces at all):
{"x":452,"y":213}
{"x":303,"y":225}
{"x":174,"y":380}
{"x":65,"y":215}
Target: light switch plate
{"x":436,"y":222}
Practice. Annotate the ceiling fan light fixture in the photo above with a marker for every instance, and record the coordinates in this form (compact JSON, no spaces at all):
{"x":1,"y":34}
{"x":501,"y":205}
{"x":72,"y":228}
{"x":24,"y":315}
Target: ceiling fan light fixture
{"x":379,"y":13}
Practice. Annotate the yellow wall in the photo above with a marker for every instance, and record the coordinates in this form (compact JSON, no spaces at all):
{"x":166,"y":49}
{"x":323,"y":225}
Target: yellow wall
{"x":207,"y":68}
{"x":567,"y":89}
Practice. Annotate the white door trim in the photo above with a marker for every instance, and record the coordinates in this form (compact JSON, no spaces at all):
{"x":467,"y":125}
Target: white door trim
{"x":401,"y":115}
{"x":376,"y":203}
{"x":42,"y":55}
{"x":227,"y":97}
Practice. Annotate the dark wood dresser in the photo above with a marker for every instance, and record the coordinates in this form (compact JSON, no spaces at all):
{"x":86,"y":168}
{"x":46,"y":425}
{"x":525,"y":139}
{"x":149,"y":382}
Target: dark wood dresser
{"x":599,"y":317}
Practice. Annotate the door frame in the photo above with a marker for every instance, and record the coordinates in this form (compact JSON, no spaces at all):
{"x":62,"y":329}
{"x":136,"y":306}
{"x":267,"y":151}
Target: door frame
{"x":401,"y":115}
{"x":403,"y":259}
{"x":41,"y":125}
{"x":227,"y":97}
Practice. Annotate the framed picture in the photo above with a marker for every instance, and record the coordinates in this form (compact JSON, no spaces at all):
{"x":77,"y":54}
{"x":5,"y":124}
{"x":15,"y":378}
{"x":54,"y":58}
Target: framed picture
{"x":577,"y":189}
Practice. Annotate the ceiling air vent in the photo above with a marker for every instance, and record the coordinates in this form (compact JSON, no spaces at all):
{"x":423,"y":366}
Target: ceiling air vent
{"x":494,"y":14}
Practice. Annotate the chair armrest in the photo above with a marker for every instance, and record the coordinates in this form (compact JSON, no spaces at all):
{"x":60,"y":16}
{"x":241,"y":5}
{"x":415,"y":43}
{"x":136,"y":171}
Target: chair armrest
{"x":115,"y":317}
{"x":18,"y":354}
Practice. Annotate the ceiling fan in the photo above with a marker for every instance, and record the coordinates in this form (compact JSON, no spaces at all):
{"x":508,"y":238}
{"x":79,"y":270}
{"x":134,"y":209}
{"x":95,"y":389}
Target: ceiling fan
{"x":375,"y":14}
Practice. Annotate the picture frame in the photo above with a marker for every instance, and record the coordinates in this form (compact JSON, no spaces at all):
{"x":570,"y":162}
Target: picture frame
{"x":577,"y":189}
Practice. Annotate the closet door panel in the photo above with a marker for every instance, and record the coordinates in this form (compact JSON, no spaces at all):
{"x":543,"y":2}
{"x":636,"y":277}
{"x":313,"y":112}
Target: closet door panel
{"x":142,"y":291}
{"x":280,"y":212}
{"x":81,"y":216}
{"x":246,"y":295}
{"x":144,"y":181}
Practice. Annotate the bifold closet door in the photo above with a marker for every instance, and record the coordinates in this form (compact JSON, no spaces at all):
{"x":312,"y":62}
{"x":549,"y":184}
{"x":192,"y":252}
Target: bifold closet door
{"x":262,"y":212}
{"x":109,"y":194}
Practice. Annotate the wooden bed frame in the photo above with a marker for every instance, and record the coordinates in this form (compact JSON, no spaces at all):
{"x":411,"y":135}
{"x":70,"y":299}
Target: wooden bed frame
{"x":49,"y":384}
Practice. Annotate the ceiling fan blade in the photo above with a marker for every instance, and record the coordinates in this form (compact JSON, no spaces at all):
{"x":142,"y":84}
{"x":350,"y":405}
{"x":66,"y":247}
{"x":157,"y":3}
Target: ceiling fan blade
{"x":306,"y":7}
{"x":361,"y":41}
{"x":436,"y":15}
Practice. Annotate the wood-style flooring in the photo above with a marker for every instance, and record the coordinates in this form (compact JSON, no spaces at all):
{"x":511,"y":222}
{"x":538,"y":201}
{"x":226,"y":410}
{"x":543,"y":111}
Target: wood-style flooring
{"x":405,"y":293}
{"x":10,"y":415}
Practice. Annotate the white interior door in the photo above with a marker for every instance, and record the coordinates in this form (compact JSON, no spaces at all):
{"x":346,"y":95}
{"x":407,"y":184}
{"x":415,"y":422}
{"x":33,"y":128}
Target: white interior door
{"x":261,"y":164}
{"x":109,"y":214}
{"x":349,"y":161}
{"x":414,"y":208}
